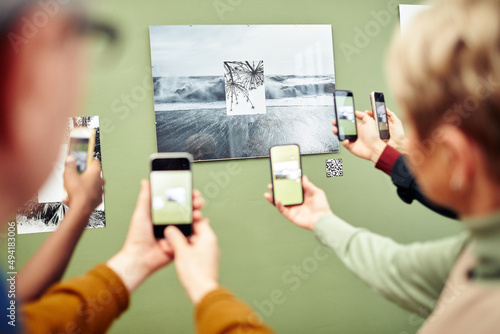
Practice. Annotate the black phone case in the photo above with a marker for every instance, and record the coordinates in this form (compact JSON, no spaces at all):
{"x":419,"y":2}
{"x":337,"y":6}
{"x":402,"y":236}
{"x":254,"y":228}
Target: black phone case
{"x":351,"y":138}
{"x":186,"y":229}
{"x":301,"y":173}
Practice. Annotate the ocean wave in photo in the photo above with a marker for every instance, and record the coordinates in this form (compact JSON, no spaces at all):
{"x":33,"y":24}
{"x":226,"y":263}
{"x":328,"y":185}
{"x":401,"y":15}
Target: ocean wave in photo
{"x":184,"y":93}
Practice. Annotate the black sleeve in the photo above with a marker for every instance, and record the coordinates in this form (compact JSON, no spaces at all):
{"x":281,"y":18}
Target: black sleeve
{"x":408,"y":189}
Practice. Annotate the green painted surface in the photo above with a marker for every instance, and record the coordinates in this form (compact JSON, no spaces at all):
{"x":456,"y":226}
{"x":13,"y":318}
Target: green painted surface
{"x":263,"y":257}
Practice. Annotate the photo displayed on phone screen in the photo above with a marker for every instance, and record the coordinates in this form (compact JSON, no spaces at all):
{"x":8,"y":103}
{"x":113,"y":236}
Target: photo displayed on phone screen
{"x":171,"y":197}
{"x":383,"y":125}
{"x":346,"y":120}
{"x":79,"y":148}
{"x":286,"y":174}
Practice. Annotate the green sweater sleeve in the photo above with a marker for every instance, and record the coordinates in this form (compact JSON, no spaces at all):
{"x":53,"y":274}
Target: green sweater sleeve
{"x":411,"y":275}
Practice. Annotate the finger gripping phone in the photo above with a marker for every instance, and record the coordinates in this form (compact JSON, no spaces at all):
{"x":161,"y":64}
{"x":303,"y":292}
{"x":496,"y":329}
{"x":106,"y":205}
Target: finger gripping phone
{"x":344,"y":113}
{"x":171,"y":192}
{"x":81,"y":144}
{"x":378,"y":107}
{"x":286,"y":174}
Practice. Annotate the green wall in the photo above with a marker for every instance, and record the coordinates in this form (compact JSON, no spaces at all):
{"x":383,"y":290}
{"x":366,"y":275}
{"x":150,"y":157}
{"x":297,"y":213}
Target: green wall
{"x":258,"y":247}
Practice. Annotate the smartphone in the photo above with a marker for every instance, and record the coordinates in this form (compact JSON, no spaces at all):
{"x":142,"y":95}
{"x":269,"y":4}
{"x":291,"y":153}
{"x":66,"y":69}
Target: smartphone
{"x":81,"y":144}
{"x":286,"y":174}
{"x":171,"y":192}
{"x":378,"y":108}
{"x":344,"y":113}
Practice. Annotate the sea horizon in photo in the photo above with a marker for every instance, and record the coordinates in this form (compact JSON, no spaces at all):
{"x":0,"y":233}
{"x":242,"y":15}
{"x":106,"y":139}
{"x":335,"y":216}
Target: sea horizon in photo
{"x":299,"y":109}
{"x":181,"y":93}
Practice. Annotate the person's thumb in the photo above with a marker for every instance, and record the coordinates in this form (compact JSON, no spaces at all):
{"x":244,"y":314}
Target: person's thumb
{"x":369,"y":113}
{"x":306,"y":183}
{"x":175,"y":238}
{"x":308,"y":186}
{"x":348,"y":145}
{"x":94,"y":167}
{"x":361,"y":115}
{"x":144,"y":199}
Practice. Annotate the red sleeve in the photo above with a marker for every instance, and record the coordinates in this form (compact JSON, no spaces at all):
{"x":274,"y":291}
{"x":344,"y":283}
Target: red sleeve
{"x":387,"y":160}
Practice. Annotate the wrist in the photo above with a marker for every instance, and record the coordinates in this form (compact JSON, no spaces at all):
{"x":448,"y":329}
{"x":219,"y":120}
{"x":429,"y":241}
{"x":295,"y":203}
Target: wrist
{"x":131,"y":269}
{"x":318,"y":218}
{"x":402,"y":146}
{"x":377,"y":151}
{"x":80,"y":204}
{"x":197,"y":294}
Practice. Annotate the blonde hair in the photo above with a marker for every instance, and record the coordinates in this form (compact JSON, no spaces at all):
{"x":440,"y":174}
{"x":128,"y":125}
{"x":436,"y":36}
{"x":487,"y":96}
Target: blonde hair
{"x":446,"y":70}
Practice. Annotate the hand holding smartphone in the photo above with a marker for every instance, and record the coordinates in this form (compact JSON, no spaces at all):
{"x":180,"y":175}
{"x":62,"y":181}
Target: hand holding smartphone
{"x":344,"y":113}
{"x":286,"y":174}
{"x":380,"y":113}
{"x":171,"y":192}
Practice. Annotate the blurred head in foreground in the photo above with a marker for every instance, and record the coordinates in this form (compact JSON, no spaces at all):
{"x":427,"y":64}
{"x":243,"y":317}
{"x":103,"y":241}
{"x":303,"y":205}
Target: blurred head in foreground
{"x":42,"y":62}
{"x":445,"y":72}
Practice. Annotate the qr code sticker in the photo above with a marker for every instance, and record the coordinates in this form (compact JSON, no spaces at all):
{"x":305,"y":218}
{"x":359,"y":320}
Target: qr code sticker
{"x":334,"y":168}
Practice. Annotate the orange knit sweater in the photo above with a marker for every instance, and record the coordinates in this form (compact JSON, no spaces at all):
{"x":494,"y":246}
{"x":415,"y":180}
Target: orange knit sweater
{"x":220,"y":312}
{"x":87,"y":304}
{"x":90,"y":304}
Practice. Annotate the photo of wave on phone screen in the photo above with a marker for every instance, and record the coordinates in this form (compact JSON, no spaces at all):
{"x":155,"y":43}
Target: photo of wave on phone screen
{"x":378,"y":103}
{"x":287,"y":174}
{"x":171,"y":200}
{"x":345,"y":110}
{"x":81,"y":146}
{"x":382,"y":116}
{"x":79,"y":150}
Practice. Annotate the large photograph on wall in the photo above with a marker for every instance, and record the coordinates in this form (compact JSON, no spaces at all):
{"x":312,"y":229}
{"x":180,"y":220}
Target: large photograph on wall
{"x":230,"y":92}
{"x":46,"y":210}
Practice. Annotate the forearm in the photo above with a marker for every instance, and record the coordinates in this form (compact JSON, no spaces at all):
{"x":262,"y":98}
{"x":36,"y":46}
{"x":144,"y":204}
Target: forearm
{"x":87,"y":304}
{"x":48,"y":264}
{"x":365,"y":254}
{"x":387,"y":159}
{"x":220,"y":312}
{"x":377,"y":150}
{"x":131,"y":269}
{"x":408,"y":189}
{"x":410,"y":275}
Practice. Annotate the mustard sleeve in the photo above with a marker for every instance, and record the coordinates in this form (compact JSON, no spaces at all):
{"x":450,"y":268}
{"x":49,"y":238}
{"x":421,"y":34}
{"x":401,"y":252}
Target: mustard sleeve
{"x":220,"y":312}
{"x":87,"y":304}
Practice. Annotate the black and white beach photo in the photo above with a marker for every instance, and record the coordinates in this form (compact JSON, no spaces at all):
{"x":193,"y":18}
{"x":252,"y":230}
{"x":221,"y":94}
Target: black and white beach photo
{"x":226,"y":92}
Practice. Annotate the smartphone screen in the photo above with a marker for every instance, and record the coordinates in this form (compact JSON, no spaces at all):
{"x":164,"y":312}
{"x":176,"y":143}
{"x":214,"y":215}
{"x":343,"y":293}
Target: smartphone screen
{"x":346,"y":120}
{"x":171,"y":193}
{"x":378,"y":104}
{"x":286,"y":174}
{"x":81,"y":146}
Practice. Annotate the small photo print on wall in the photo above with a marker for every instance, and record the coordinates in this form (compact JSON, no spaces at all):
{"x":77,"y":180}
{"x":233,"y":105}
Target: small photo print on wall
{"x":45,"y":211}
{"x":334,"y":168}
{"x":244,"y":83}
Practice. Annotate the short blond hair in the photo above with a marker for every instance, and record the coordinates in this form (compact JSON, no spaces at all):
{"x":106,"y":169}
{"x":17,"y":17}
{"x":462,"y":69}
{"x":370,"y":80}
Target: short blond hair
{"x":446,"y":70}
